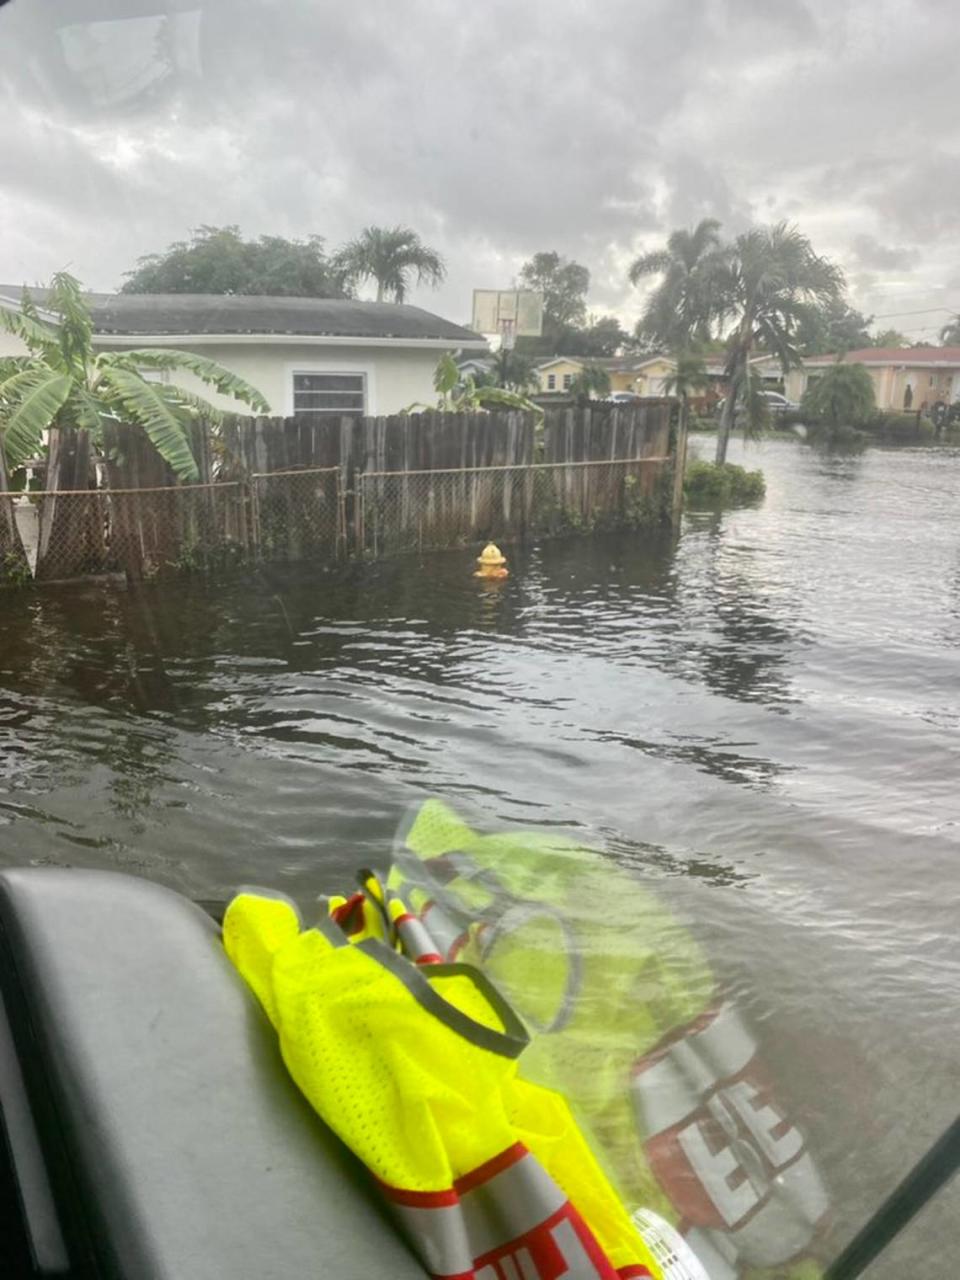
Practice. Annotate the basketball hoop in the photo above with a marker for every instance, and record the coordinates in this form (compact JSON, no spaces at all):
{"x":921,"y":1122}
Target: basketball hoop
{"x":508,"y":313}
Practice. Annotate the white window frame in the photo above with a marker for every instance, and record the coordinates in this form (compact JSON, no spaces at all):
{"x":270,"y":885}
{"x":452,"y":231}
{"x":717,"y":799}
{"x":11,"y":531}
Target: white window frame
{"x":363,"y":367}
{"x":551,"y":382}
{"x":567,"y":380}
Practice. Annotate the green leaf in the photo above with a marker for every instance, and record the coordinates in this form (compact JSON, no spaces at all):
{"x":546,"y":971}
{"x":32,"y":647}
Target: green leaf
{"x":29,"y":402}
{"x":447,"y":374}
{"x":208,"y":371}
{"x":194,"y":406}
{"x":40,"y":338}
{"x":509,"y":399}
{"x":146,"y":404}
{"x":85,"y":410}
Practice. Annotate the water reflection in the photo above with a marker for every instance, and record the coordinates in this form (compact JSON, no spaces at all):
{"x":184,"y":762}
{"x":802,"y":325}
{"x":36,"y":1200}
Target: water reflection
{"x":757,"y":722}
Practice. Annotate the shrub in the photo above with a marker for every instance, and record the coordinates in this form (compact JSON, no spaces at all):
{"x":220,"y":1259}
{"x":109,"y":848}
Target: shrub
{"x":712,"y":484}
{"x":900,"y":426}
{"x":827,"y":436}
{"x":842,"y":397}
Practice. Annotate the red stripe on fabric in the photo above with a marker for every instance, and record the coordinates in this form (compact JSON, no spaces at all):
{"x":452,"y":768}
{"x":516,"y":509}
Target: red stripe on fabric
{"x":667,"y":1041}
{"x":419,"y":1199}
{"x":457,"y":945}
{"x":490,"y":1169}
{"x":459,"y":1275}
{"x":633,"y":1271}
{"x":430,"y":957}
{"x":404,"y":918}
{"x":343,"y":915}
{"x":540,"y":1234}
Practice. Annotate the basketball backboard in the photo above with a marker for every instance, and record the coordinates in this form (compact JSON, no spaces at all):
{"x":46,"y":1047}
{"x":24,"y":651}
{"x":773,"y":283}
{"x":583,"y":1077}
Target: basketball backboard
{"x":511,"y":313}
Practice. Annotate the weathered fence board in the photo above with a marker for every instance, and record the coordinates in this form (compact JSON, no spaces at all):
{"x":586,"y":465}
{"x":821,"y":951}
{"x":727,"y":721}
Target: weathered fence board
{"x":72,"y":537}
{"x":13,"y":561}
{"x":296,"y":488}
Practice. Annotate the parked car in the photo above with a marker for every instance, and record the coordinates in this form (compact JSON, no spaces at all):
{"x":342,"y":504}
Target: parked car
{"x":622,"y":397}
{"x":778,"y":404}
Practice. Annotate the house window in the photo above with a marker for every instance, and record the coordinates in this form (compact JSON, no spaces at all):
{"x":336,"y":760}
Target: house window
{"x":551,"y":382}
{"x":567,"y":379}
{"x":933,"y":381}
{"x":324,"y":395}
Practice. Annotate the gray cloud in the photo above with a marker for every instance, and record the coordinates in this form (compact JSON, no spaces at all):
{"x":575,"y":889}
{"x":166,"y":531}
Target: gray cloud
{"x":870,"y":254}
{"x":496,"y":129}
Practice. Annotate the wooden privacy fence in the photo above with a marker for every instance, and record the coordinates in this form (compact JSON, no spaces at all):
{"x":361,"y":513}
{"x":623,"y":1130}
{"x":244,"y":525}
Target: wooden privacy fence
{"x":418,"y":510}
{"x":294,"y":489}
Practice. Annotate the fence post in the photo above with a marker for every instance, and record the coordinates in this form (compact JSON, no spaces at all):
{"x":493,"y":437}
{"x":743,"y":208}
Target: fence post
{"x":679,"y":463}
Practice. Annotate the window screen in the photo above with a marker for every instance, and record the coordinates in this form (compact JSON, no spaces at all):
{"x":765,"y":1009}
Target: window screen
{"x":323,"y":394}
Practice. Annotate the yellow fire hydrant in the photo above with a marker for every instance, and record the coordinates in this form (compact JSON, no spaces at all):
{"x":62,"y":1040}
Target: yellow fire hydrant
{"x":492,"y":563}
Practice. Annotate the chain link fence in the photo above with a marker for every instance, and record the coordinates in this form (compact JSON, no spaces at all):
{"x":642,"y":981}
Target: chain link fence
{"x":303,"y":515}
{"x":150,"y":532}
{"x":298,"y":515}
{"x":423,"y":510}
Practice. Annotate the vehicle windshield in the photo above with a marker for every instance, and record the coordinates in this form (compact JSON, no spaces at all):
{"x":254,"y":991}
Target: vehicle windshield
{"x":540,"y":423}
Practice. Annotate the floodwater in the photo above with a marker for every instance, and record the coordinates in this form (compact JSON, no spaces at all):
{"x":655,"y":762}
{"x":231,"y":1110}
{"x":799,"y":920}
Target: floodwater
{"x":760,"y":722}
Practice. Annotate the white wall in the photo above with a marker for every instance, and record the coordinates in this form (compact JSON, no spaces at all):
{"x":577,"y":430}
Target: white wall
{"x":395,"y":376}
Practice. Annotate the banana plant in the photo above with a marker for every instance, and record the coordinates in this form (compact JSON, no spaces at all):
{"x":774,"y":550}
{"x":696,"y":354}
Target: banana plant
{"x":65,"y":382}
{"x":456,"y":396}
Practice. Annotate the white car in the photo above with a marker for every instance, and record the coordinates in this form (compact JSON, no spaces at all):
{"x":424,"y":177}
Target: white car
{"x":778,"y":404}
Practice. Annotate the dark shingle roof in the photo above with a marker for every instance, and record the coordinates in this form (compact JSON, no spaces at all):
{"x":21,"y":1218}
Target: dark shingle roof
{"x":181,"y":313}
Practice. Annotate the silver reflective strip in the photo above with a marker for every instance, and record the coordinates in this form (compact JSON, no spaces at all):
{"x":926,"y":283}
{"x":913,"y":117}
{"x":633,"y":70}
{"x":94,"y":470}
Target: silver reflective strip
{"x":416,"y":939}
{"x":509,"y":1205}
{"x":762,"y":1119}
{"x":443,"y":928}
{"x":439,"y":1235}
{"x":725,"y":1043}
{"x":579,"y":1264}
{"x":721,"y":1173}
{"x":662,"y":1096}
{"x":782,"y":1228}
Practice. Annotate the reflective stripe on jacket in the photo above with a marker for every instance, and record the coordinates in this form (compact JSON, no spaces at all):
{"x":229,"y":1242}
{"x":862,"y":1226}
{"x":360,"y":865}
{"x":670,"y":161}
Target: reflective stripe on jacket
{"x":416,"y":1069}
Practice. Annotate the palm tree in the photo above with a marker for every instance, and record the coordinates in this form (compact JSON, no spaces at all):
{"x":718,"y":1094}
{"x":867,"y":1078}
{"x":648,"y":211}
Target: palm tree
{"x":591,"y":382}
{"x":680,"y":310}
{"x":64,"y":382}
{"x":689,"y":375}
{"x":391,"y":256}
{"x":950,"y":333}
{"x":765,"y":287}
{"x":513,"y":369}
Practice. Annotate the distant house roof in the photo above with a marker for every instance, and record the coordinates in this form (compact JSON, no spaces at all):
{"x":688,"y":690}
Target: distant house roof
{"x":233,"y":315}
{"x":893,"y":355}
{"x":613,"y":364}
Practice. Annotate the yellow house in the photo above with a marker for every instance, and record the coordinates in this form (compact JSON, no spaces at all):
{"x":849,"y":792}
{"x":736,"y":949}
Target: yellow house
{"x":644,"y":375}
{"x":904,"y":378}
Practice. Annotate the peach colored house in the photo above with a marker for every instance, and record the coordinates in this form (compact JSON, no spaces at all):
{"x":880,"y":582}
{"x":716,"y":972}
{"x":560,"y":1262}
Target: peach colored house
{"x":903,"y":377}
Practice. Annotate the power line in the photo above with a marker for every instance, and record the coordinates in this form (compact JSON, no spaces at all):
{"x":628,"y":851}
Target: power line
{"x":927,"y":311}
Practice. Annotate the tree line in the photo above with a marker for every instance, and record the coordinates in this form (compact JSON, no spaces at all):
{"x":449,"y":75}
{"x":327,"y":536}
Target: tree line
{"x":220,"y":260}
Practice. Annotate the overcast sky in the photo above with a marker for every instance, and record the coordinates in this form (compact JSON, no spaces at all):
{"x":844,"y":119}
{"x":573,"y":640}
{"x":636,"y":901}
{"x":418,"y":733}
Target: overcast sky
{"x":495,"y":128}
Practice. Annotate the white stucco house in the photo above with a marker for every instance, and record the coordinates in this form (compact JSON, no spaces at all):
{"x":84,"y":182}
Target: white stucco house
{"x":315,"y":356}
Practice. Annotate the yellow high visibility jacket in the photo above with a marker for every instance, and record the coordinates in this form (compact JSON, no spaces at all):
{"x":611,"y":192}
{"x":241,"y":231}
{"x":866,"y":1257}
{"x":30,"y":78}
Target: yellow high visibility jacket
{"x":629,"y":1027}
{"x":415,"y":1068}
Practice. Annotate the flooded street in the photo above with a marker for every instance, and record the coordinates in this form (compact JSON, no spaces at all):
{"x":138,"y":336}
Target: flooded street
{"x":760,"y":722}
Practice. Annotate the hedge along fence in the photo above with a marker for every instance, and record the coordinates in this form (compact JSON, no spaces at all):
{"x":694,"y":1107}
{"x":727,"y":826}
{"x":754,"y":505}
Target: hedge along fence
{"x":291,"y":489}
